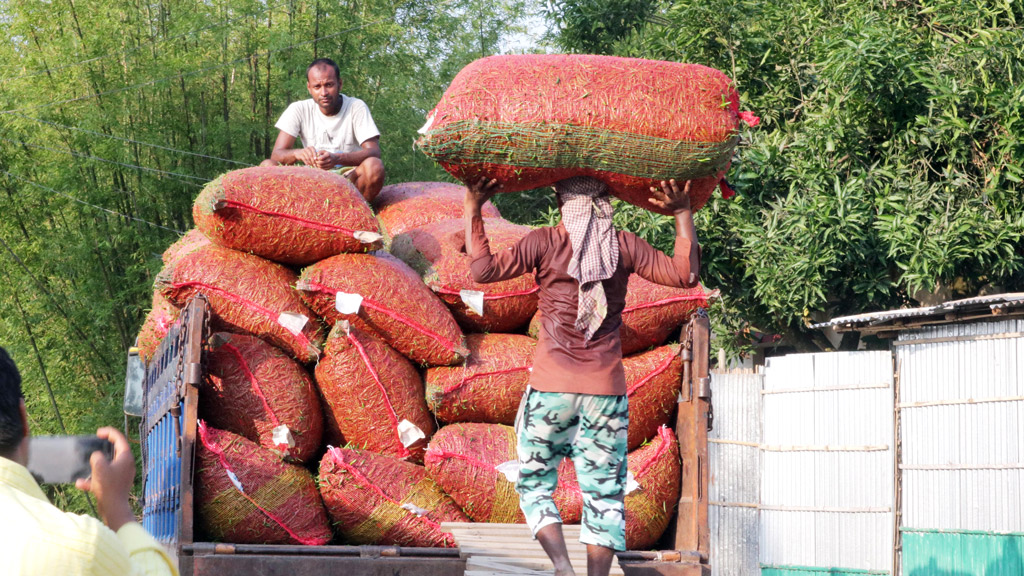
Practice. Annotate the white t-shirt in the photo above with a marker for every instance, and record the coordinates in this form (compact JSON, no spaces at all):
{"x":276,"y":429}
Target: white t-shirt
{"x":343,"y":132}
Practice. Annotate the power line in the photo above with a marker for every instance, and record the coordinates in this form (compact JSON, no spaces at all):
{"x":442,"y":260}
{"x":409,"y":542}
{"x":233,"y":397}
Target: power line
{"x":56,"y":304}
{"x":107,"y":210}
{"x":190,"y":74}
{"x":93,"y":132}
{"x":122,"y":164}
{"x":152,"y":42}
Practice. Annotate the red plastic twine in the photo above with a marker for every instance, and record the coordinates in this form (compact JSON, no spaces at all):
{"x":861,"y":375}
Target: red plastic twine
{"x":666,"y":441}
{"x":657,"y":370}
{"x":373,"y":372}
{"x":686,"y":298}
{"x":373,"y":305}
{"x":204,"y":437}
{"x":474,"y":461}
{"x":304,"y":221}
{"x":339,"y":459}
{"x":450,"y":292}
{"x":463,"y":382}
{"x":252,"y":380}
{"x":248,"y":304}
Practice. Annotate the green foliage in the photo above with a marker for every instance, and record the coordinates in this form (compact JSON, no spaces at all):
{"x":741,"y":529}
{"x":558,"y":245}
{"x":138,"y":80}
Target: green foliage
{"x":888,"y":162}
{"x":595,"y":26}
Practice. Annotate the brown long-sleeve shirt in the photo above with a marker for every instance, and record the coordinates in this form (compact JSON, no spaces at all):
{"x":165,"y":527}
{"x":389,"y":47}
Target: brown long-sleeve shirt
{"x":563,"y":362}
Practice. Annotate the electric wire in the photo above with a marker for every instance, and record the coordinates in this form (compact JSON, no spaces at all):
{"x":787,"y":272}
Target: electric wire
{"x":122,"y":164}
{"x":129,"y":140}
{"x":107,"y":210}
{"x":191,"y":74}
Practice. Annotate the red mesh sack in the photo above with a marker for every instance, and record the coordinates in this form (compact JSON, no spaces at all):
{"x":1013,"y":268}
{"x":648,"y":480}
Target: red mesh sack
{"x":373,"y":395}
{"x":294,"y":215}
{"x":657,"y":470}
{"x":395,"y":304}
{"x":653,"y":381}
{"x":246,"y":494}
{"x":654,"y":312}
{"x":438,"y":252}
{"x":190,"y":241}
{"x":154,"y":328}
{"x":375,"y":499}
{"x":246,"y":294}
{"x":409,"y":205}
{"x":489,"y":386}
{"x":464,"y":459}
{"x":530,"y":120}
{"x":256,"y":391}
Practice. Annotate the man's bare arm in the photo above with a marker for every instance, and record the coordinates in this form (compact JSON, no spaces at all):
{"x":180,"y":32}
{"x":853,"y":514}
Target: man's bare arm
{"x":284,"y":153}
{"x":677,"y":200}
{"x":370,"y":149}
{"x":477,"y":194}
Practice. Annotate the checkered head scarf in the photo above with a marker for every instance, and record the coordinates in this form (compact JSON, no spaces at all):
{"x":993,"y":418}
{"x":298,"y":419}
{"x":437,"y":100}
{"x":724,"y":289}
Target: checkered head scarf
{"x":587,"y":217}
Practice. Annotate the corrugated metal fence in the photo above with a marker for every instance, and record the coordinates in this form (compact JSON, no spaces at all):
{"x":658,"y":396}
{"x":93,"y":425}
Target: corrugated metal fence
{"x":808,"y":476}
{"x":961,"y":408}
{"x":735,"y":461}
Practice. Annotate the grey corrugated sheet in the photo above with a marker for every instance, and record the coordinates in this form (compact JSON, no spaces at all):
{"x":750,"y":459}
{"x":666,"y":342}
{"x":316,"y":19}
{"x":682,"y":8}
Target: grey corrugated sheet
{"x":992,"y":301}
{"x":735,"y":473}
{"x":982,"y":442}
{"x":828,"y":504}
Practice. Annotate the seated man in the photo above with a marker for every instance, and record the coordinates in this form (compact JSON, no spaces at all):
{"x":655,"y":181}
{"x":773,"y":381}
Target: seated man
{"x":37,"y":538}
{"x":336,"y":131}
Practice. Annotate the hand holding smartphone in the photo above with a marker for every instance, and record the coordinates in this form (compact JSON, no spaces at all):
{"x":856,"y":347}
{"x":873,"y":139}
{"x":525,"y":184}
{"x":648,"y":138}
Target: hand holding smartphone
{"x":64,"y":459}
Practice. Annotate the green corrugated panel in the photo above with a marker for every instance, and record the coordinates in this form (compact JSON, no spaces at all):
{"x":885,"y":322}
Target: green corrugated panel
{"x":962,"y":553}
{"x":767,"y":570}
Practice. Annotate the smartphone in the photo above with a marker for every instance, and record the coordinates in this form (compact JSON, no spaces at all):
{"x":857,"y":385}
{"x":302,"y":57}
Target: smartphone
{"x":64,"y":459}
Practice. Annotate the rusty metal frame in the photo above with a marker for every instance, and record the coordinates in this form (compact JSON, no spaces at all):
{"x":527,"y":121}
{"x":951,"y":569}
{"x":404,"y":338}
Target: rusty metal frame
{"x":693,"y":420}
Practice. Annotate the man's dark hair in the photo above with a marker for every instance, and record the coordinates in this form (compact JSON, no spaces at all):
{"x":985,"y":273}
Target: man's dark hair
{"x":325,"y":62}
{"x":12,"y":429}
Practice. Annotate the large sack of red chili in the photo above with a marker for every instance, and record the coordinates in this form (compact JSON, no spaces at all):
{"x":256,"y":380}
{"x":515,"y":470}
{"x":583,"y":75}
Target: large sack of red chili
{"x":438,"y":252}
{"x":375,"y":499}
{"x":409,"y":205}
{"x":530,"y":120}
{"x":256,"y":391}
{"x":246,"y":294}
{"x":373,"y":395}
{"x":246,"y":494}
{"x":488,"y":386}
{"x":294,"y":215}
{"x":477,"y":464}
{"x":654,"y":312}
{"x":657,"y":471}
{"x":653,"y":380}
{"x":380,"y":294}
{"x":154,"y":328}
{"x":188,"y":242}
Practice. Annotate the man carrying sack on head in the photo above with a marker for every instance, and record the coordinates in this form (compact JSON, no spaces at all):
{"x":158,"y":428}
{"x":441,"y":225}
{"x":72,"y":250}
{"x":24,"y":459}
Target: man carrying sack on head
{"x":576,"y":403}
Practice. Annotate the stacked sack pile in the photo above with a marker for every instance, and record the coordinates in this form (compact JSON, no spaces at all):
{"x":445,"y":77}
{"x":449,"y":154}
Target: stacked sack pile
{"x":361,"y":388}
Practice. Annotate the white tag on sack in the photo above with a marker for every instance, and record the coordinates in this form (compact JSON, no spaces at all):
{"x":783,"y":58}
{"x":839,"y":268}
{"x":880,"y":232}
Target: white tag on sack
{"x":347,"y":303}
{"x":474,"y":299}
{"x":631,"y":483}
{"x":282,"y":436}
{"x":367,"y":237}
{"x":415,"y":509}
{"x":234,"y":480}
{"x":409,"y":433}
{"x":510,"y":469}
{"x":426,"y":127}
{"x":293,"y":322}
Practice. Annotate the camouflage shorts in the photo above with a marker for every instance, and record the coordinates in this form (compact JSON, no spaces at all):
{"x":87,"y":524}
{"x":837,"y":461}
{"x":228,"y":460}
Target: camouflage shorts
{"x":591,"y":430}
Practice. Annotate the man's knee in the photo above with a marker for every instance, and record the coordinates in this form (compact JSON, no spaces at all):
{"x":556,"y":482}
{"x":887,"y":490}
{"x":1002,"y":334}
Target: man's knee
{"x":268,"y":162}
{"x":369,"y":177}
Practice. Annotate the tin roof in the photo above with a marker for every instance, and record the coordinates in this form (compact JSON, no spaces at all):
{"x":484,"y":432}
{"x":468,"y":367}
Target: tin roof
{"x":978,"y":307}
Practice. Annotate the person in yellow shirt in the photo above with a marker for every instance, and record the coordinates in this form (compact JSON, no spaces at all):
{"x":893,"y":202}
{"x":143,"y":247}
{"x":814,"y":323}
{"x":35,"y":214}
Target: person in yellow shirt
{"x":37,"y":538}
